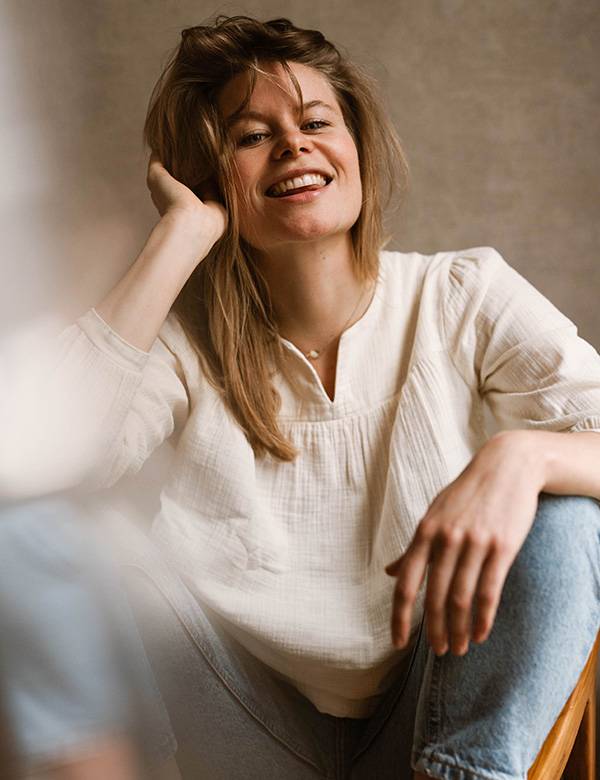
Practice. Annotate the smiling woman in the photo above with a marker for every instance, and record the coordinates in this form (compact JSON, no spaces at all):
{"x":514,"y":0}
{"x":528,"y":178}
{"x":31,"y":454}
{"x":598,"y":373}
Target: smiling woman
{"x":247,"y":109}
{"x":326,"y":403}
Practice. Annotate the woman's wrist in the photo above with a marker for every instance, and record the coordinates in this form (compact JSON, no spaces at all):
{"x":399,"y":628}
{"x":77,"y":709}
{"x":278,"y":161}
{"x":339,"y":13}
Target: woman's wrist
{"x":187,"y":239}
{"x":561,"y":463}
{"x":522,"y":455}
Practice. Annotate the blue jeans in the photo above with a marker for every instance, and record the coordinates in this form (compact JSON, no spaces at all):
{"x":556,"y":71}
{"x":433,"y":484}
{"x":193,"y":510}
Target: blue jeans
{"x":484,"y":715}
{"x":72,"y":664}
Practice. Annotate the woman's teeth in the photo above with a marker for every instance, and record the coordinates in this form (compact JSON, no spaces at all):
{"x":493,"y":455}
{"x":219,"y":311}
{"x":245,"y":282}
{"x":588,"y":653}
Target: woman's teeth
{"x":296,"y":183}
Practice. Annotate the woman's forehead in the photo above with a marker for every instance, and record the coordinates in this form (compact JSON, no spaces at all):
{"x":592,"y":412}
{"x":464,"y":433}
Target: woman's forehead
{"x":275,"y":87}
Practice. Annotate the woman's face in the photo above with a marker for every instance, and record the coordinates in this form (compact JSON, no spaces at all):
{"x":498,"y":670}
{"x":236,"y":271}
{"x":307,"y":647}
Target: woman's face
{"x":297,"y":172}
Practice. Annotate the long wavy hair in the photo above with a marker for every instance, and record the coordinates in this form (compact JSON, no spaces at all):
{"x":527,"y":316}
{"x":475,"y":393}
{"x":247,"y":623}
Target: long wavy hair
{"x":225,"y":307}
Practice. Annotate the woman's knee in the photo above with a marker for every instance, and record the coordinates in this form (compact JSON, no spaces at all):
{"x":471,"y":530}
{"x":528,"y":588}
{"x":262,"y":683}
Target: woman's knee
{"x":565,"y":536}
{"x":555,"y":579}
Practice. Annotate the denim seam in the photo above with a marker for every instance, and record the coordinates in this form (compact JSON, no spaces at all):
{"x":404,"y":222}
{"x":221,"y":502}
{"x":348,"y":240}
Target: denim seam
{"x":344,"y":750}
{"x":434,"y":719}
{"x":457,"y":767}
{"x":281,"y":735}
{"x":435,"y":716}
{"x":392,"y":704}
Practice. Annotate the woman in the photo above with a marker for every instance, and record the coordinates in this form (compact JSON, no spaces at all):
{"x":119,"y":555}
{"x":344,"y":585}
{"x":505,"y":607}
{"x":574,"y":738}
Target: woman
{"x":326,"y":400}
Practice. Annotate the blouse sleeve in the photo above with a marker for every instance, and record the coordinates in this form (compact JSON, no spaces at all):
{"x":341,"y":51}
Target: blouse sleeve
{"x":133,"y":400}
{"x":525,"y":356}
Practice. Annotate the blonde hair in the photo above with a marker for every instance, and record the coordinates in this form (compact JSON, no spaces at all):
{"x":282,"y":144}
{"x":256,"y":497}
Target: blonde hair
{"x":225,"y":307}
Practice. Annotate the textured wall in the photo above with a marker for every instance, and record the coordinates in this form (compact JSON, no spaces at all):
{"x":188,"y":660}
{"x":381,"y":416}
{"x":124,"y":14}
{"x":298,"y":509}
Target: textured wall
{"x":497,"y":104}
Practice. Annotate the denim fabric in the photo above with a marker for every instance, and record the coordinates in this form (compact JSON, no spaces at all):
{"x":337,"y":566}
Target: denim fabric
{"x":73,"y":669}
{"x":484,"y":715}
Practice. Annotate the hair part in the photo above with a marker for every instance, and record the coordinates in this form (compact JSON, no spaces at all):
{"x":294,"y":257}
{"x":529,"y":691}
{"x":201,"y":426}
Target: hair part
{"x":225,"y":307}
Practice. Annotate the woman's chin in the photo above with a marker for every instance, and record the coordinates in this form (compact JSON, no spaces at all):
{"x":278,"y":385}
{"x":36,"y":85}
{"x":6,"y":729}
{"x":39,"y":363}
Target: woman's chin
{"x":313,"y":234}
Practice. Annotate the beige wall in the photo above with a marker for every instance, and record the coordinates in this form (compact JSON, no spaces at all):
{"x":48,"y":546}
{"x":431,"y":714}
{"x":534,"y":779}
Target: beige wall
{"x":497,"y":103}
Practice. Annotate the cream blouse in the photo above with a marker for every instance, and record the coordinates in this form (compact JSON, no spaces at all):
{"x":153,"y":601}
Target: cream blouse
{"x":292,"y":555}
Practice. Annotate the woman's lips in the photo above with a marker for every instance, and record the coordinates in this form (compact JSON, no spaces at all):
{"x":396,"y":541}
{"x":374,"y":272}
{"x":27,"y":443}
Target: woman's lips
{"x":296,"y":184}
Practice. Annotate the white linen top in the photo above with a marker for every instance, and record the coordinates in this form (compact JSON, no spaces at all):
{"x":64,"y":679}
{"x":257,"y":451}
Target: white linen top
{"x":292,"y":555}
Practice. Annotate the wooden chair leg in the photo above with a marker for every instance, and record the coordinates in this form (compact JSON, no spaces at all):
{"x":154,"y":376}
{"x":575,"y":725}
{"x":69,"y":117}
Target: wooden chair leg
{"x":582,"y":761}
{"x":571,"y":745}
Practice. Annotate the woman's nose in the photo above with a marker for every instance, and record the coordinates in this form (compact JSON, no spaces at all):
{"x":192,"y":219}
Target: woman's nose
{"x":292,"y":143}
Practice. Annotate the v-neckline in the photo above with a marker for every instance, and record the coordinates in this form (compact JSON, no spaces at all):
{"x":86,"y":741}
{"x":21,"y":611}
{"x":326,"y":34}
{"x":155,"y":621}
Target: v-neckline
{"x":340,"y":357}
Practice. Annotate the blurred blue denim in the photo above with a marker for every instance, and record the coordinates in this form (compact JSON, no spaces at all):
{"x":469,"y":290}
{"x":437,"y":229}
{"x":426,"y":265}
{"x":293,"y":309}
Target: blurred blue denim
{"x":483,"y":715}
{"x":72,"y":667}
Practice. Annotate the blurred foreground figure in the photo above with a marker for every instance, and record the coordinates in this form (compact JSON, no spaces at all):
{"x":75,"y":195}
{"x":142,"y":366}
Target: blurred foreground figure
{"x":47,"y":443}
{"x":64,"y":662}
{"x":71,"y":696}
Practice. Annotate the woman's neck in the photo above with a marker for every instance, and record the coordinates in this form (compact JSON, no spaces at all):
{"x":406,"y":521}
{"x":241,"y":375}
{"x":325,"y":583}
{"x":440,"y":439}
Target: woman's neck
{"x":316,"y":295}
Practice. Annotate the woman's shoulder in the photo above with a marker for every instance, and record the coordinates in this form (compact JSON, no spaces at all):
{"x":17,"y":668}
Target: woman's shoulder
{"x":476,"y":261}
{"x":472,"y":290}
{"x":443,"y":275}
{"x":456,"y":289}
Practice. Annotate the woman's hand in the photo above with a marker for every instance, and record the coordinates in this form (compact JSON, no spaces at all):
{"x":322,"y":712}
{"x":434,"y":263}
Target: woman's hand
{"x":186,"y":232}
{"x":204,"y":218}
{"x":469,"y":539}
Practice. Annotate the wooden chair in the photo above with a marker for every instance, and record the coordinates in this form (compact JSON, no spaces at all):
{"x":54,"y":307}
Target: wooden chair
{"x":569,"y":751}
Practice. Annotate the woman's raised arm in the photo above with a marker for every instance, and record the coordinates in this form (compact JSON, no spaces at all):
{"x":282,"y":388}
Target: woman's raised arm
{"x":189,"y":227}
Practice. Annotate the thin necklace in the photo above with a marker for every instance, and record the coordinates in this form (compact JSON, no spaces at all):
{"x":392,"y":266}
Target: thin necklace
{"x":313,"y":354}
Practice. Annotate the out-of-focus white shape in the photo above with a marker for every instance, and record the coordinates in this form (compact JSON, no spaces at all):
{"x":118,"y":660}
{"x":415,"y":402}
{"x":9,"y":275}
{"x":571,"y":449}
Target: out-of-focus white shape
{"x":45,"y":444}
{"x":36,"y":409}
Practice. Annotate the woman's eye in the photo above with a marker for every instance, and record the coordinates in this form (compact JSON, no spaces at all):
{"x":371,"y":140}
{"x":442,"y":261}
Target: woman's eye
{"x":251,"y":138}
{"x":315,"y":124}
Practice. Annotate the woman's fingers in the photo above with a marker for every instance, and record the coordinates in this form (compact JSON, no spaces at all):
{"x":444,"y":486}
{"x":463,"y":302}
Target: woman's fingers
{"x":467,"y":571}
{"x":410,"y":571}
{"x":441,"y":573}
{"x":156,"y":172}
{"x":462,"y":596}
{"x":166,"y":191}
{"x":205,"y":217}
{"x":488,"y":596}
{"x":453,"y":577}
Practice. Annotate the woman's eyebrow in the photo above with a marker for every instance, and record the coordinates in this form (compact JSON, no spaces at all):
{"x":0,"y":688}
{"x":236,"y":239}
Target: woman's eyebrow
{"x":240,"y":116}
{"x":318,"y":104}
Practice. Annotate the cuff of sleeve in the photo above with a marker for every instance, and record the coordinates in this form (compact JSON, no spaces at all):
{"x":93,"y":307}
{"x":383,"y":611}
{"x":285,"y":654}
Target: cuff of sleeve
{"x":108,"y":341}
{"x":588,"y":424}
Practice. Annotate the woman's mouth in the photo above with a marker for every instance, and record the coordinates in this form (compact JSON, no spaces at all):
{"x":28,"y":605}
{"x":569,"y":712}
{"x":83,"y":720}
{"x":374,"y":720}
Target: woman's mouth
{"x":297,"y":184}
